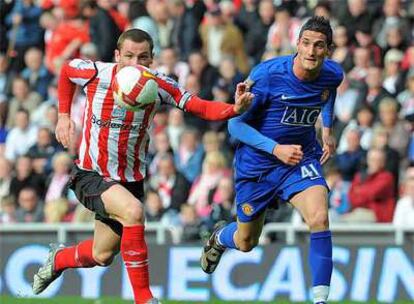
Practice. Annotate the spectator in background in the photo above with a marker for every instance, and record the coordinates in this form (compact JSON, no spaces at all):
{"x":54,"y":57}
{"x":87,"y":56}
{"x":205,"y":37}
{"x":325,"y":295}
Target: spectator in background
{"x":184,"y":35}
{"x":345,"y":103}
{"x":5,"y":77}
{"x":351,"y":161}
{"x":230,"y":74}
{"x":406,"y":98}
{"x":395,"y":40}
{"x":363,"y":122}
{"x":176,"y":126}
{"x":398,"y":134}
{"x":355,"y":16}
{"x":206,"y":73}
{"x":24,"y":29}
{"x":380,"y":140}
{"x":338,"y":195}
{"x":171,"y":185}
{"x":35,"y":73}
{"x":141,"y":19}
{"x":190,"y":154}
{"x":256,"y":33}
{"x":158,"y":10}
{"x":57,"y":182}
{"x":393,"y":81}
{"x":30,"y":208}
{"x":154,"y":209}
{"x":21,"y":137}
{"x":56,"y":211}
{"x":65,"y":40}
{"x":222,"y":39}
{"x":359,"y":72}
{"x":162,"y":147}
{"x":372,"y":193}
{"x":103,"y":30}
{"x":23,"y":98}
{"x":365,"y":39}
{"x":5,"y":177}
{"x":25,"y":177}
{"x":392,"y":18}
{"x":373,"y":92}
{"x":170,"y":66}
{"x":190,"y":223}
{"x":43,"y":151}
{"x":7,"y":210}
{"x":342,"y":52}
{"x":283,"y":33}
{"x":248,"y":15}
{"x":214,"y":169}
{"x":41,"y":112}
{"x":222,"y":201}
{"x":404,"y":211}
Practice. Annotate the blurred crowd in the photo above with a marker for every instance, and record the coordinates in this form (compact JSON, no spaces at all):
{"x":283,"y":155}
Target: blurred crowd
{"x":208,"y":47}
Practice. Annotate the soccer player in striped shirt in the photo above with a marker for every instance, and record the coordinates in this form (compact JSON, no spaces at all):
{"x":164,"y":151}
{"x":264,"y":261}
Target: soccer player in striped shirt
{"x":110,"y":169}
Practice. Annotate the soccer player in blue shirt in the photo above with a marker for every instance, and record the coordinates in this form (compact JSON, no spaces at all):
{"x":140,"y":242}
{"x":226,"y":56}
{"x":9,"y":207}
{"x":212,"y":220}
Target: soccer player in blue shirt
{"x":278,"y":154}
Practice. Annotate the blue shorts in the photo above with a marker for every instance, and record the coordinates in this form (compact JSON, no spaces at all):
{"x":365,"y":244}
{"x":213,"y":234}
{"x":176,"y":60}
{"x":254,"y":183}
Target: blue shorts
{"x":254,"y":195}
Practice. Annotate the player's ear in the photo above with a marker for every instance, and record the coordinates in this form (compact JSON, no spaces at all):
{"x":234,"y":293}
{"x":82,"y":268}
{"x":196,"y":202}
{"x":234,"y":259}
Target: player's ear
{"x":117,"y":55}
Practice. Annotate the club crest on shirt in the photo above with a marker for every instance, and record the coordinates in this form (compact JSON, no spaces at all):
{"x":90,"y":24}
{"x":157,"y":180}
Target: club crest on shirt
{"x":247,"y":209}
{"x":118,"y":112}
{"x":325,"y":95}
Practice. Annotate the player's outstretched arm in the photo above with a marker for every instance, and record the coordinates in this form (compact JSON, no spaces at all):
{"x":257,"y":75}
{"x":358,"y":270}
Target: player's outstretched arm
{"x":217,"y":110}
{"x":288,"y":154}
{"x":172,"y":93}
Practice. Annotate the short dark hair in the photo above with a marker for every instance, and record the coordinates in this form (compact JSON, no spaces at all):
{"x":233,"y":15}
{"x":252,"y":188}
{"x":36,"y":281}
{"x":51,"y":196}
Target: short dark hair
{"x":318,"y":24}
{"x":135,"y":35}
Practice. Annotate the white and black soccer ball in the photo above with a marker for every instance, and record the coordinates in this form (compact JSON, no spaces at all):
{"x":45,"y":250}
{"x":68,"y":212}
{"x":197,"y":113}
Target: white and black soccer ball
{"x":134,"y":87}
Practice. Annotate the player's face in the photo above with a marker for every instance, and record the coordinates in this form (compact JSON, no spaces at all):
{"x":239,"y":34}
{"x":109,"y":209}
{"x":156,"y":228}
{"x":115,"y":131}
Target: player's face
{"x":132,"y":53}
{"x":312,"y":50}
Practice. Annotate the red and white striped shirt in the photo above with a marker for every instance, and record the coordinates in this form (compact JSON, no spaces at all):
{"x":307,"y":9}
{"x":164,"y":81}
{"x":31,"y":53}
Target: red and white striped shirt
{"x":115,"y":141}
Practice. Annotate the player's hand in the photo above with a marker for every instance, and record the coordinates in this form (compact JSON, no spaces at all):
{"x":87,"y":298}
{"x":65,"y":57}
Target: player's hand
{"x":243,"y":98}
{"x":329,"y":147}
{"x":288,"y":154}
{"x":65,"y":130}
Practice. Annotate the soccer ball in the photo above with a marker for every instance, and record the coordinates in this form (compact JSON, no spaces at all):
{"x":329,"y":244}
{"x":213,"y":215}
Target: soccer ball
{"x":134,"y":87}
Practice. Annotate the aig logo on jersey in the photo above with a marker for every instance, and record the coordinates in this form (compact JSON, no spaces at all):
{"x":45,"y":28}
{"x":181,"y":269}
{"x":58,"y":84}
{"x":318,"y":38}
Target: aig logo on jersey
{"x":300,"y":116}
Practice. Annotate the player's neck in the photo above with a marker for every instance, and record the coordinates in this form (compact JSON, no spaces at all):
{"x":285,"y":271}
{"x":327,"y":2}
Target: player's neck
{"x":303,"y":74}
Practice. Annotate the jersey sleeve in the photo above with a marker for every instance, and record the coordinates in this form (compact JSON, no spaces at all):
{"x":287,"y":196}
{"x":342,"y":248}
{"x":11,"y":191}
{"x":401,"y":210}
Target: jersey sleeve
{"x":258,"y":84}
{"x":76,"y":72}
{"x":328,"y":109}
{"x":240,"y":128}
{"x":171,"y":92}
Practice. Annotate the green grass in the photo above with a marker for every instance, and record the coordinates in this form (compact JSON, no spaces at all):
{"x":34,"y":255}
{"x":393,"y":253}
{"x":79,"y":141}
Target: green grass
{"x":107,"y":300}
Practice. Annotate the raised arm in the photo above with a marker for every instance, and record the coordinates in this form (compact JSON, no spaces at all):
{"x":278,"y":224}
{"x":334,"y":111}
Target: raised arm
{"x":175,"y":95}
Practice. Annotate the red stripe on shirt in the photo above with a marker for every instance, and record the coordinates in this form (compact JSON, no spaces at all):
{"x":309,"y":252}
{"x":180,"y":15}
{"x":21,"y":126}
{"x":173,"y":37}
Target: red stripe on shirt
{"x":90,"y":95}
{"x":123,"y":146}
{"x":106,"y":113}
{"x":148,"y":110}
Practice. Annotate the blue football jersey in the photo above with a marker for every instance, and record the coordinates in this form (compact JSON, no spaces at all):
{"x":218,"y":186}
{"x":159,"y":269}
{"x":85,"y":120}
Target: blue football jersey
{"x":285,"y":109}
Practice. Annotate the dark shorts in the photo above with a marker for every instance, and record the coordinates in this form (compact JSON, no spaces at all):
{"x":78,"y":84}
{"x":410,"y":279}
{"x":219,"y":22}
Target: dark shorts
{"x":88,"y":187}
